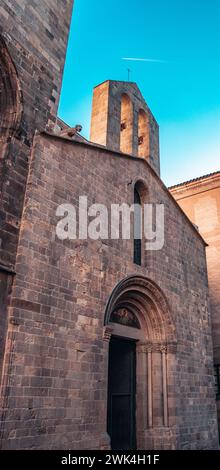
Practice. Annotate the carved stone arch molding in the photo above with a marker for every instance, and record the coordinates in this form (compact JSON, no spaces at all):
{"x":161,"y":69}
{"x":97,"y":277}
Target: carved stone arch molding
{"x":10,"y":95}
{"x":146,"y":298}
{"x":155,"y":354}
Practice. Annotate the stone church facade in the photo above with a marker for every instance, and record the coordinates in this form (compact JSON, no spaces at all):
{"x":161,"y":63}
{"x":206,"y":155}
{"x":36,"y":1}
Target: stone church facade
{"x":100,"y":348}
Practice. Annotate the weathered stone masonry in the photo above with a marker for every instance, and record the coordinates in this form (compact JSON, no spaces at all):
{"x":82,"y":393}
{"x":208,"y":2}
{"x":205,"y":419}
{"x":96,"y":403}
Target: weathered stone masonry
{"x":57,"y":297}
{"x":33,"y":38}
{"x":56,"y":358}
{"x":200,"y":200}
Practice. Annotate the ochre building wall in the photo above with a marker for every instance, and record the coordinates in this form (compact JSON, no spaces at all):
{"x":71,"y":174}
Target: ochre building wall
{"x":200,"y":200}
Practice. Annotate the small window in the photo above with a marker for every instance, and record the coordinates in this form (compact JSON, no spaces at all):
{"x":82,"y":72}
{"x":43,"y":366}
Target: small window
{"x":217,"y":380}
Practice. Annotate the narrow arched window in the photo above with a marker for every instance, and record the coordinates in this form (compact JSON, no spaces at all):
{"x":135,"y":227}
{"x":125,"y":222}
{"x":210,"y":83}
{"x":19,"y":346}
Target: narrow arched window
{"x":143,"y":134}
{"x":126,"y":134}
{"x":137,"y":227}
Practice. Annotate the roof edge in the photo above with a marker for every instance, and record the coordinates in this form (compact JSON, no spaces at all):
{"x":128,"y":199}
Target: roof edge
{"x":125,"y":155}
{"x":194,"y":180}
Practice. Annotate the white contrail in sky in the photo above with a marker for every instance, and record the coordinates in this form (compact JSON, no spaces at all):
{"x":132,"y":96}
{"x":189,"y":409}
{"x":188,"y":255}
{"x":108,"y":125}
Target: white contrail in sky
{"x":145,"y":60}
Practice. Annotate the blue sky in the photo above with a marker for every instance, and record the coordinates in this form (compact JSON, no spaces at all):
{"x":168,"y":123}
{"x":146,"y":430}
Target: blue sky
{"x":183,"y":91}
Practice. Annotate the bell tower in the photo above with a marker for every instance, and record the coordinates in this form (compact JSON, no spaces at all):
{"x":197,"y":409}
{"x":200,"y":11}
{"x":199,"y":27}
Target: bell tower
{"x":122,"y":121}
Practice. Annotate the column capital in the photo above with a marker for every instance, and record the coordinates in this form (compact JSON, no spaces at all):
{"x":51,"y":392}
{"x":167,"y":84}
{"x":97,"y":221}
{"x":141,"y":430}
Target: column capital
{"x":158,"y":347}
{"x":107,"y":333}
{"x":172,"y":348}
{"x":163,"y":348}
{"x":141,"y":347}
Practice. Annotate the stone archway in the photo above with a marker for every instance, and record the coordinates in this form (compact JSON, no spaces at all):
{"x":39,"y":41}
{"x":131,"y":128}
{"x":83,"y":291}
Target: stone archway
{"x":10,"y":109}
{"x":141,"y":301}
{"x":10,"y":95}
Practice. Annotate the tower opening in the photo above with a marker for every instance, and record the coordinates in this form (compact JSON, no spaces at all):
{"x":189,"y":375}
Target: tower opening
{"x":126,"y":134}
{"x":143,"y":135}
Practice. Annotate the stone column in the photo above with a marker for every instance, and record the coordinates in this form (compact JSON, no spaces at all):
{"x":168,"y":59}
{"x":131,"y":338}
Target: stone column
{"x":141,"y":386}
{"x":164,"y":376}
{"x":105,"y":442}
{"x":171,"y":369}
{"x":149,"y":387}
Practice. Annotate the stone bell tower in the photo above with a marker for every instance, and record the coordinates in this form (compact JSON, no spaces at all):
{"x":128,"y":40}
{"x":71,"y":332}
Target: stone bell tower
{"x":122,"y":121}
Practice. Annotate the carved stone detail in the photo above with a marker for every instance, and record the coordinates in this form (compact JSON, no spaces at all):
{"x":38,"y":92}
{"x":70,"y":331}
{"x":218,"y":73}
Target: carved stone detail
{"x":107,"y":332}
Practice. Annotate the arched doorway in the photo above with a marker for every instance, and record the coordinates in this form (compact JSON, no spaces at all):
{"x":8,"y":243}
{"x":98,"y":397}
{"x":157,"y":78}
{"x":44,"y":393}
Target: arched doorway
{"x":141,"y":337}
{"x":121,"y":393}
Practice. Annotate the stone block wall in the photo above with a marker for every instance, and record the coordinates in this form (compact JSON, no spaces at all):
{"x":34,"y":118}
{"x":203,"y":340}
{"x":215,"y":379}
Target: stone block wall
{"x":200,"y":200}
{"x":33,"y":40}
{"x":56,"y":364}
